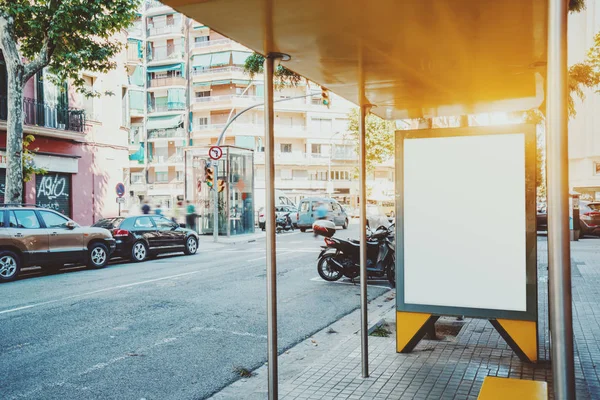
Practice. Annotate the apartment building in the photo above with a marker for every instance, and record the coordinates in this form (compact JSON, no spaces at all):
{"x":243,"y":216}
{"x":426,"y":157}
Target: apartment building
{"x":584,"y":128}
{"x":81,"y":142}
{"x":186,"y":81}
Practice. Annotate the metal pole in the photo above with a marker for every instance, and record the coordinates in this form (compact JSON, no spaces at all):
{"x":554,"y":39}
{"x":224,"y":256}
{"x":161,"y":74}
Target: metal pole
{"x":364,"y":329}
{"x":216,"y":201}
{"x":269,"y":67}
{"x":559,"y":257}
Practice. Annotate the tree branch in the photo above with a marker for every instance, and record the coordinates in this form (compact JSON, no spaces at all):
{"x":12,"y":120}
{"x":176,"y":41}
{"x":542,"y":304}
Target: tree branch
{"x":42,"y":59}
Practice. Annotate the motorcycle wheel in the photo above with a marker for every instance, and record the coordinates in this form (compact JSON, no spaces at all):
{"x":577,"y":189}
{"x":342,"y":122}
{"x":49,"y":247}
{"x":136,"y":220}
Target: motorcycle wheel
{"x":391,"y":272}
{"x":325,"y":271}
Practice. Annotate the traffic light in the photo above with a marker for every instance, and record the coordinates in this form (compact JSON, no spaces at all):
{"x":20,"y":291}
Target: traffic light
{"x":209,"y":175}
{"x":325,"y":97}
{"x":220,"y":185}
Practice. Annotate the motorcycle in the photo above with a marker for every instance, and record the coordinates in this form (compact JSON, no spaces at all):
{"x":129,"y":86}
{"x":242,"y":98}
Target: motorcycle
{"x":284,"y":223}
{"x":342,"y":257}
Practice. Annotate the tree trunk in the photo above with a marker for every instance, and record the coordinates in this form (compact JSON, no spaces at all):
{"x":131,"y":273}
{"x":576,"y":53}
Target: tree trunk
{"x":14,"y":135}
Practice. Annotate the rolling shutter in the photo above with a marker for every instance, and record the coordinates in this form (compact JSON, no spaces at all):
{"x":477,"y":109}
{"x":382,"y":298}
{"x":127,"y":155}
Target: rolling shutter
{"x":53,"y":191}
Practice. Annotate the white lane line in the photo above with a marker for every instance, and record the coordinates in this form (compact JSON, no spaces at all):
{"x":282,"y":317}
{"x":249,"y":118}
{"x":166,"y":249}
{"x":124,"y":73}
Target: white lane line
{"x":357,"y":284}
{"x":97,"y":291}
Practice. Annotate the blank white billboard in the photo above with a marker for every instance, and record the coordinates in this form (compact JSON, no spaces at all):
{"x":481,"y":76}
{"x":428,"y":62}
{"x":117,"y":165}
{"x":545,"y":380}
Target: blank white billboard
{"x":464,"y":222}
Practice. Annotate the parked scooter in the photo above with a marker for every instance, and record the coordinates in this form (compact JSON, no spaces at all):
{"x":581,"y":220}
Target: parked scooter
{"x":284,"y":223}
{"x":342,"y":257}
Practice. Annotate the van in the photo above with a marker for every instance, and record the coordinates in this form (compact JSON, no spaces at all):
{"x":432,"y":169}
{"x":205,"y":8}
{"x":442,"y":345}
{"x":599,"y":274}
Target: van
{"x":308,"y":206}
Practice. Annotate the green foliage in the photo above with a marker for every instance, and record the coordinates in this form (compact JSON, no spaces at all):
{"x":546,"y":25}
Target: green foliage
{"x":254,"y":65}
{"x":576,"y":5}
{"x":380,"y":137}
{"x":79,"y":34}
{"x":29,"y":168}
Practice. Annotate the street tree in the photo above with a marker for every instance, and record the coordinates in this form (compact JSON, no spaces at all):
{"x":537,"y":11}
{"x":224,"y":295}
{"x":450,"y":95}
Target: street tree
{"x":68,"y":37}
{"x":379,"y":140}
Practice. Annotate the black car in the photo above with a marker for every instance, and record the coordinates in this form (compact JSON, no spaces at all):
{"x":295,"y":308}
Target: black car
{"x":144,"y":236}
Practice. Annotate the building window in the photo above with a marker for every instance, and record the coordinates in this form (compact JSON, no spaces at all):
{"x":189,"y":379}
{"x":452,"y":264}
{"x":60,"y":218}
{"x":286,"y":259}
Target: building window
{"x":137,"y":178}
{"x":88,"y":100}
{"x":202,"y":121}
{"x":286,"y":147}
{"x":203,"y":94}
{"x":286,"y":174}
{"x":315,"y":148}
{"x":596,"y":168}
{"x":180,"y":176}
{"x":201,"y":39}
{"x":322,"y":125}
{"x":170,"y":20}
{"x":162,"y":176}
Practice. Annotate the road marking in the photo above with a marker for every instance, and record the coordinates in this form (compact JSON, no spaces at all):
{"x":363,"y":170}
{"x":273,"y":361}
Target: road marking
{"x":97,"y":291}
{"x":357,"y":284}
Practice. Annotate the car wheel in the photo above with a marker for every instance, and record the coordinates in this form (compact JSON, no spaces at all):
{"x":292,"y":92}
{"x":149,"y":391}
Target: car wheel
{"x":345,"y":226}
{"x":139,"y":251}
{"x":302,"y":230}
{"x":10,"y":266}
{"x":97,"y":256}
{"x":191,"y":246}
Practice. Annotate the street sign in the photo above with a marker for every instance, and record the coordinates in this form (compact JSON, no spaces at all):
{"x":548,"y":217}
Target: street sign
{"x":120,"y":189}
{"x":215,"y":152}
{"x":120,"y":200}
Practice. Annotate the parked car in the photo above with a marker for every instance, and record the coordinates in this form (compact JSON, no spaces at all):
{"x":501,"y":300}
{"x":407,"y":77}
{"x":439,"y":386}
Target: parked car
{"x":143,"y":236}
{"x":34,"y":236}
{"x":279,"y":212}
{"x":280,"y":200}
{"x":541,"y":220}
{"x":308,"y":206}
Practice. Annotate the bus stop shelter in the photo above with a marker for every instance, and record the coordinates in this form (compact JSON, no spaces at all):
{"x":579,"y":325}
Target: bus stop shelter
{"x":419,"y":59}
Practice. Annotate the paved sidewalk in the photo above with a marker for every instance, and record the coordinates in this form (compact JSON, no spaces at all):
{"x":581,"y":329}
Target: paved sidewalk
{"x":452,"y":368}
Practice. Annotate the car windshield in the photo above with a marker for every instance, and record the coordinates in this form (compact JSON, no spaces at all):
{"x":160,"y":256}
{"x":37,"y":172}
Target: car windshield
{"x":109,"y":223}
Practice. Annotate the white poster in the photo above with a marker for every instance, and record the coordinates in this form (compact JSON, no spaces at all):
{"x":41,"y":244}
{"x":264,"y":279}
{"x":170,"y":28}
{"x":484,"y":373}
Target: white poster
{"x":464,"y":222}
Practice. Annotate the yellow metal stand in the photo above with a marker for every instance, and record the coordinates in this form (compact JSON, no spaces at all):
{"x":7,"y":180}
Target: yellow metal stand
{"x":521,"y":336}
{"x":410,"y":329}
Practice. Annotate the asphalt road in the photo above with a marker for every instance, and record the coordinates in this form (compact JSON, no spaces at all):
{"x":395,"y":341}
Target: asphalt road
{"x":171,"y":328}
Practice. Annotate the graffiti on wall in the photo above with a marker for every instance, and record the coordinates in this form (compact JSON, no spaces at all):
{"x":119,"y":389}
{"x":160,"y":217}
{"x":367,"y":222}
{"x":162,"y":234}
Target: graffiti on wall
{"x":53,"y":191}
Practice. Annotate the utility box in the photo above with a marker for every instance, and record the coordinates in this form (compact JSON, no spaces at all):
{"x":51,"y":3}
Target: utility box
{"x":233,"y":181}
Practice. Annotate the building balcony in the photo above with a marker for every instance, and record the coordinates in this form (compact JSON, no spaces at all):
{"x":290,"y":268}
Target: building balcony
{"x":48,"y":115}
{"x":164,"y":160}
{"x":172,"y":53}
{"x":133,"y":56}
{"x":294,"y":158}
{"x":213,"y":46}
{"x":136,"y":112}
{"x":166,"y":134}
{"x":225,"y":101}
{"x":135,"y":31}
{"x":239,"y":128}
{"x":215,"y":74}
{"x":170,"y":81}
{"x":172,"y":188}
{"x":154,"y":7}
{"x":138,"y":187}
{"x":172,"y":29}
{"x":164,"y":108}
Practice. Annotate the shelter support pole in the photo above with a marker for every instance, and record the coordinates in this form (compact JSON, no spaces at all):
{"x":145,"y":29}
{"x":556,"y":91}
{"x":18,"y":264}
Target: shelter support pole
{"x":559,"y":257}
{"x":364,"y":328}
{"x":269,"y":67}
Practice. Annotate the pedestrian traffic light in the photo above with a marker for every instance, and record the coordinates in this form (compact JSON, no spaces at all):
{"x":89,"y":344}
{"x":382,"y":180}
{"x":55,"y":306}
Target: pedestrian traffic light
{"x":325,"y":97}
{"x":220,"y":185}
{"x":209,"y":176}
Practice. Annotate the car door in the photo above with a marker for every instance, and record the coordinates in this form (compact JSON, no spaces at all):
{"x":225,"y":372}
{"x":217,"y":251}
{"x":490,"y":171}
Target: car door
{"x":65,"y":245}
{"x":27,"y":234}
{"x":305,"y":213}
{"x":169,"y":233}
{"x":336,"y":213}
{"x":143,"y":227}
